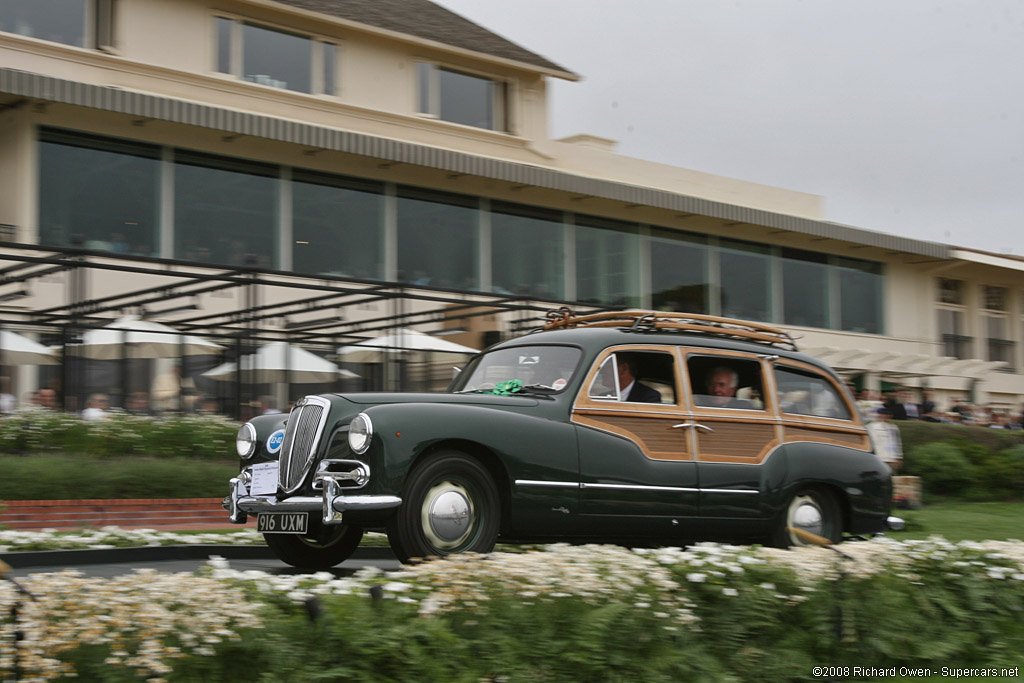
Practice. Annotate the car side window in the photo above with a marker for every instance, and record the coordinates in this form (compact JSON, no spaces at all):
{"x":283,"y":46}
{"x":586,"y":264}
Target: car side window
{"x":805,"y":393}
{"x":604,"y":387}
{"x":725,"y":382}
{"x":635,"y":377}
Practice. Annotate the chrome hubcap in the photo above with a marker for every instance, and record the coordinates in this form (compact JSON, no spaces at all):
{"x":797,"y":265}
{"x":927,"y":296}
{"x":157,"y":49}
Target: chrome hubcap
{"x":447,"y":515}
{"x":805,"y":514}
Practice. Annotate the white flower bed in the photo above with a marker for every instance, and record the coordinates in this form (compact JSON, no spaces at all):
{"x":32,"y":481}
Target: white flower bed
{"x":166,"y":616}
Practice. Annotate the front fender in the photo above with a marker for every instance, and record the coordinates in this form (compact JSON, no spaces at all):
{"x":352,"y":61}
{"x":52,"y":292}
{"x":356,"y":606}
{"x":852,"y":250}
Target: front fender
{"x":526,"y":446}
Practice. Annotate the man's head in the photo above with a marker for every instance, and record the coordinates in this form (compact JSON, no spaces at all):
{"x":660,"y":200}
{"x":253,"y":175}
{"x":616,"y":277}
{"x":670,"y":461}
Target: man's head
{"x":48,"y":398}
{"x":721,"y":385}
{"x":626,"y":368}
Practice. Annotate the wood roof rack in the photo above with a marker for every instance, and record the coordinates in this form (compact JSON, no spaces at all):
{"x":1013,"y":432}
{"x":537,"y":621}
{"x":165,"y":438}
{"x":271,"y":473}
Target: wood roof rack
{"x":646,"y":321}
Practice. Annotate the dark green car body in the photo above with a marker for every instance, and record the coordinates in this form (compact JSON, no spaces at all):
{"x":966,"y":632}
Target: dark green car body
{"x":570,"y":461}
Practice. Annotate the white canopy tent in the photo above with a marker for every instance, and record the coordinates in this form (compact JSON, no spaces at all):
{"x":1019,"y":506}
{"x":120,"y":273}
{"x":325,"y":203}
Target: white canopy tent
{"x":16,"y":349}
{"x":401,"y":341}
{"x":133,"y":337}
{"x":278,"y":362}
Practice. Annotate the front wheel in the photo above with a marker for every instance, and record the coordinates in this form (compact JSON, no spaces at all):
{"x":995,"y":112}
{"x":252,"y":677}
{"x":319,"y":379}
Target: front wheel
{"x":449,"y":505}
{"x":323,"y":547}
{"x":813,"y":510}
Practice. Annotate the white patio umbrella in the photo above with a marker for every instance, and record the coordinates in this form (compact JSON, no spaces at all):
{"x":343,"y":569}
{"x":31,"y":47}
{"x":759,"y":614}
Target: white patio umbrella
{"x":401,"y":340}
{"x":19,"y":350}
{"x":281,"y":362}
{"x":144,"y":338}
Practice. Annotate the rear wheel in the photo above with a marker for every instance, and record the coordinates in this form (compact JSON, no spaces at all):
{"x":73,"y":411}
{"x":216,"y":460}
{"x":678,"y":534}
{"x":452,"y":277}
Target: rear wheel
{"x":449,"y":505}
{"x":811,"y":510}
{"x":322,"y":548}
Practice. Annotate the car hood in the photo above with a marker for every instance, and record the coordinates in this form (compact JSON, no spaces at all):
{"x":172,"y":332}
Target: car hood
{"x":373,"y":398}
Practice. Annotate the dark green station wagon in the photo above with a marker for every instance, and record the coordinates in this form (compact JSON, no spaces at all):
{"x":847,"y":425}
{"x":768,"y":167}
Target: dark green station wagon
{"x":633,"y":427}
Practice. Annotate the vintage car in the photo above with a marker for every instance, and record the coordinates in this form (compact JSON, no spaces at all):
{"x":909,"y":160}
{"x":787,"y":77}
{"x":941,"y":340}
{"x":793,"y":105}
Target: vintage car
{"x":730,"y":434}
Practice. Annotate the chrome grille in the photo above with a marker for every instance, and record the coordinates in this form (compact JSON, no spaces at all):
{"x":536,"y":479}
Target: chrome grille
{"x":301,"y":436}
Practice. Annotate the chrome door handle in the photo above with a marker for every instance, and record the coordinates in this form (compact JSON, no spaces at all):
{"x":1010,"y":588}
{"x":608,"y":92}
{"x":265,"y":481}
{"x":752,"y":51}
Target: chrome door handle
{"x":693,"y":424}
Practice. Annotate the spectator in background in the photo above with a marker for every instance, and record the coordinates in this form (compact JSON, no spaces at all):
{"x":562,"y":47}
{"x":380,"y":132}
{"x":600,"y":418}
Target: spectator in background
{"x":928,"y":406}
{"x":894,"y":406}
{"x":267,"y":406}
{"x":96,"y":408}
{"x":961,"y":408}
{"x":868,"y":404}
{"x":7,"y":400}
{"x":47,"y":399}
{"x":885,"y":437}
{"x":137,"y":403}
{"x":910,"y":407}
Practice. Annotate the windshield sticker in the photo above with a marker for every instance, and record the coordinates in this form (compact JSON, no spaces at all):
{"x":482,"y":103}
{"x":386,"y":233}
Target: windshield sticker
{"x":558,"y":384}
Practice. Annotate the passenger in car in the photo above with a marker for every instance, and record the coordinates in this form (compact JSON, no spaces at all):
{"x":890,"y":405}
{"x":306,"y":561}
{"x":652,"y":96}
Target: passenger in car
{"x":629,"y":388}
{"x":721,"y":386}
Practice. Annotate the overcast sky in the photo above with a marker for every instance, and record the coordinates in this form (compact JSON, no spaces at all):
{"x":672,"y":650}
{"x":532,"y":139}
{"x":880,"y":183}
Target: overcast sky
{"x":907,"y":116}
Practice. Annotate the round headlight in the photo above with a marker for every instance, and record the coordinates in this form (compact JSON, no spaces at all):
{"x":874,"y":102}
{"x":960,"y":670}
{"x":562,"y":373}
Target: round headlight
{"x":360,"y":430}
{"x":245,"y":441}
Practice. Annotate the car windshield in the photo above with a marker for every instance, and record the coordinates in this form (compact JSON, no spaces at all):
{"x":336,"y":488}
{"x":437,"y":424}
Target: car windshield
{"x":520,"y":369}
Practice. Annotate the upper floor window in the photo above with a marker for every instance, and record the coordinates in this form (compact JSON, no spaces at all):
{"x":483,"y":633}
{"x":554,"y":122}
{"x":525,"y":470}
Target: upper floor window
{"x":950,"y":291}
{"x":275,"y":57}
{"x":952,"y":318}
{"x":461,"y":97}
{"x":993,"y":298}
{"x":999,"y":345}
{"x":82,"y":23}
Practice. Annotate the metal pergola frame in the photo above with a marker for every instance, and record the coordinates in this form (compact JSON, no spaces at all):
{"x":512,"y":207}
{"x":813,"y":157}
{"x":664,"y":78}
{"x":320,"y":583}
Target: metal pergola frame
{"x":270,"y":305}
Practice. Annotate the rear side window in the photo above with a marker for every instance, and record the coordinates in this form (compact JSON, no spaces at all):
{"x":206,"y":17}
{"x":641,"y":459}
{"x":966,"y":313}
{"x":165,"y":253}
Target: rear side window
{"x":805,"y":393}
{"x":726,"y":382}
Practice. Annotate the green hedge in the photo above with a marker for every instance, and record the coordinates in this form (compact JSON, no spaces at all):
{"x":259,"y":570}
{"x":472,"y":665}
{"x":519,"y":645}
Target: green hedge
{"x":210,"y":437}
{"x":71,"y":477}
{"x":969,"y":463}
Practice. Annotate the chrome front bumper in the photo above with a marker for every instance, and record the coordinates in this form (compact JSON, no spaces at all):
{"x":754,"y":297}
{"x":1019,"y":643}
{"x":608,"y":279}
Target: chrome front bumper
{"x":331,"y":503}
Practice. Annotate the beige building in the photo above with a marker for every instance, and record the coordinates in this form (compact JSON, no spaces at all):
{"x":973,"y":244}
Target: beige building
{"x":398,"y":156}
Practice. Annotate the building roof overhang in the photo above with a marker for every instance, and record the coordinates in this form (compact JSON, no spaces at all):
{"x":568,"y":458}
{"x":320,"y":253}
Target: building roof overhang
{"x":23,"y":84}
{"x":899,"y":366}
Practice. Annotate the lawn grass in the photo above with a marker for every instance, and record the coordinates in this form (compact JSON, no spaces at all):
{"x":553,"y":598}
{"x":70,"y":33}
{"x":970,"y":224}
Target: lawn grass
{"x":963,"y":522}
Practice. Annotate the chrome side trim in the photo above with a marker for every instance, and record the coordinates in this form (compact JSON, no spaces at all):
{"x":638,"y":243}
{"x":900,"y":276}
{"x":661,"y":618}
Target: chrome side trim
{"x":638,"y":487}
{"x":549,"y":484}
{"x":629,"y":487}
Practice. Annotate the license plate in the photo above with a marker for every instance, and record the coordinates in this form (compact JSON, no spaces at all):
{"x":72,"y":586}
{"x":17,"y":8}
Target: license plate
{"x":282,"y":522}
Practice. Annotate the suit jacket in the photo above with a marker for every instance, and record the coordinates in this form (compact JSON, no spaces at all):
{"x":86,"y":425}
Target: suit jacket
{"x":641,"y":393}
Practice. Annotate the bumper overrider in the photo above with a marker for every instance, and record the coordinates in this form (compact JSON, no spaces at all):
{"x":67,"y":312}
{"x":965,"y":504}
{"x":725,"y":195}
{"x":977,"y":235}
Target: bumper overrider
{"x":332,"y":502}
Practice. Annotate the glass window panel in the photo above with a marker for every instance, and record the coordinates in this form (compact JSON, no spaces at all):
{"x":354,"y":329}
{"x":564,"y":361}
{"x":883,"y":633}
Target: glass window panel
{"x":424,"y":78}
{"x":223,"y":28}
{"x":99,"y":192}
{"x":330,"y":54}
{"x":607,"y":268}
{"x":726,"y":382}
{"x":225,"y":211}
{"x":679,"y":272}
{"x":466,"y":99}
{"x":744,"y":271}
{"x":995,"y":328}
{"x":804,"y":288}
{"x":527,"y":252}
{"x":337,"y":226}
{"x":993,"y":298}
{"x":277,"y":58}
{"x":860,"y":295}
{"x":59,"y":21}
{"x":804,"y":393}
{"x":437,"y":239}
{"x":951,"y":291}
